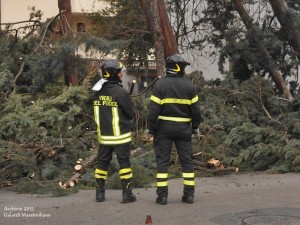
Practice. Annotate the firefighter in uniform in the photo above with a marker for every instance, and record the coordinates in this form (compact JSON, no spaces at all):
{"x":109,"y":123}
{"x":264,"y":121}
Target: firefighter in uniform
{"x":174,"y":117}
{"x":113,"y":112}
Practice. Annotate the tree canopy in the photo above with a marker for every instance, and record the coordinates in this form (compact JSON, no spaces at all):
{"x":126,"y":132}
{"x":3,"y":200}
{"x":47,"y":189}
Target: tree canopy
{"x":47,"y":124}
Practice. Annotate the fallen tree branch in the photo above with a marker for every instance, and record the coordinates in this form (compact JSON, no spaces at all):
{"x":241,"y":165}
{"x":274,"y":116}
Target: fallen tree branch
{"x":44,"y":34}
{"x":80,"y":169}
{"x":18,"y":75}
{"x":217,"y":171}
{"x":147,"y":88}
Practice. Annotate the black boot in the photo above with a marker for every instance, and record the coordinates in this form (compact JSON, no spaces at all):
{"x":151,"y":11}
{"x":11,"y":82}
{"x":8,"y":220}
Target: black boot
{"x":162,"y":195}
{"x":127,"y":194}
{"x":188,"y":199}
{"x":188,"y":194}
{"x":100,"y":190}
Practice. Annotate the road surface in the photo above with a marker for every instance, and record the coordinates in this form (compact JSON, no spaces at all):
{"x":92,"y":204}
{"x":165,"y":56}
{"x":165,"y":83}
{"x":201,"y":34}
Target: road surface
{"x":236,"y":199}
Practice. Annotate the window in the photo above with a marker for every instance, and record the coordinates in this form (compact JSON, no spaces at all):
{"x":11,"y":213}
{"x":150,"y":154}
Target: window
{"x":81,"y":27}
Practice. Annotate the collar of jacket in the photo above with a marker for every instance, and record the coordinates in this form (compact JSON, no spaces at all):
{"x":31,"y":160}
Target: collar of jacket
{"x":173,"y":75}
{"x":112,"y":83}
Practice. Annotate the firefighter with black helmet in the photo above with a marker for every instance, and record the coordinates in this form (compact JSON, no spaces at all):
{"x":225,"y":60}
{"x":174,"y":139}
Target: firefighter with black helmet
{"x":113,"y":112}
{"x":174,"y":117}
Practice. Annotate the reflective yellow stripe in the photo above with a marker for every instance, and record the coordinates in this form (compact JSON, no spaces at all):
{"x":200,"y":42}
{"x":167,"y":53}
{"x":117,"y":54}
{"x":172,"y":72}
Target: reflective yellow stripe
{"x":115,"y":142}
{"x":177,"y":68}
{"x":189,"y":182}
{"x":125,"y":170}
{"x":125,"y":173}
{"x":97,"y":118}
{"x":188,"y":175}
{"x":107,"y":74}
{"x":195,"y":99}
{"x":111,"y":138}
{"x":176,"y":119}
{"x":176,"y":101}
{"x":101,"y":171}
{"x":162,"y":175}
{"x":155,"y":99}
{"x":101,"y":174}
{"x":115,"y":121}
{"x":128,"y":176}
{"x":162,"y":184}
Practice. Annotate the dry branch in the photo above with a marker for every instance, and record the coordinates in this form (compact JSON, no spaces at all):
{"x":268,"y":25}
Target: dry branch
{"x":213,"y":166}
{"x":18,"y":75}
{"x":217,"y":171}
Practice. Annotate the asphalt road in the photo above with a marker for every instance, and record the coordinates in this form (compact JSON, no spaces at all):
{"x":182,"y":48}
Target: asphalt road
{"x":243,"y":199}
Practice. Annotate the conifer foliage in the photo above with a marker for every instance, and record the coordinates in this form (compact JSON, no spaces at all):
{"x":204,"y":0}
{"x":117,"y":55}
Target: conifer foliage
{"x":45,"y":126}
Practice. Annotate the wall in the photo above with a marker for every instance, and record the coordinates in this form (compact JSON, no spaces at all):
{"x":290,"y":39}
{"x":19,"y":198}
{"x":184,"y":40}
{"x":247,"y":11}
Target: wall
{"x":17,"y":10}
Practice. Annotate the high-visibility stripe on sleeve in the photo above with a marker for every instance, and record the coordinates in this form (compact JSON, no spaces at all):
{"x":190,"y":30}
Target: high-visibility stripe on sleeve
{"x":176,"y":119}
{"x":155,"y":99}
{"x":195,"y":99}
{"x":115,"y":121}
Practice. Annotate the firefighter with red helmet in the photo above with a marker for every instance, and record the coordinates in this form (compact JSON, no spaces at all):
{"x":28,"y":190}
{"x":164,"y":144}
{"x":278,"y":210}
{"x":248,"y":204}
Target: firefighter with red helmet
{"x":174,"y":117}
{"x":113,"y":113}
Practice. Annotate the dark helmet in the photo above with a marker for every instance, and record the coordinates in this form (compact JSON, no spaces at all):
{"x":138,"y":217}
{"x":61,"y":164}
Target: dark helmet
{"x":110,"y":70}
{"x":175,"y":64}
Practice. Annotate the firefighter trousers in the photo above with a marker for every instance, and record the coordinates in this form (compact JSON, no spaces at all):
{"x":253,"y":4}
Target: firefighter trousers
{"x":105,"y":154}
{"x":180,"y":134}
{"x":104,"y":157}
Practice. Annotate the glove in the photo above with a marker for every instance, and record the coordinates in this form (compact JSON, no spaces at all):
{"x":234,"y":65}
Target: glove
{"x":196,"y":133}
{"x":148,"y":135}
{"x":148,"y":132}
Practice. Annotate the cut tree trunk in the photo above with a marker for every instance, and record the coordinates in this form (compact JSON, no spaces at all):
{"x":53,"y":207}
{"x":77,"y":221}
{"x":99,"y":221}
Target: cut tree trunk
{"x":81,"y":165}
{"x":80,"y":170}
